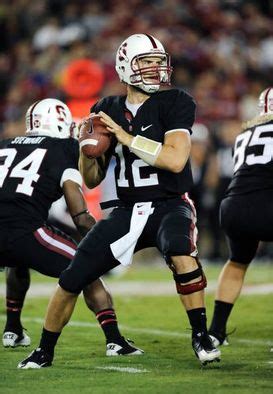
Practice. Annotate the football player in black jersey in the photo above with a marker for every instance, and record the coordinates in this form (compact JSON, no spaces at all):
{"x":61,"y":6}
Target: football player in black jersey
{"x":36,"y":170}
{"x":151,"y":143}
{"x":246,"y":213}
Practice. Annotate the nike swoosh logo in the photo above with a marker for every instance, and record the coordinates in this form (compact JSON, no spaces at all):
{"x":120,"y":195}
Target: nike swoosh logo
{"x":139,"y":206}
{"x":145,"y":128}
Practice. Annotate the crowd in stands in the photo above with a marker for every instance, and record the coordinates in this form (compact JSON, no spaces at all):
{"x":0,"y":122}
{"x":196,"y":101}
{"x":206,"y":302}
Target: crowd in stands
{"x":221,"y":51}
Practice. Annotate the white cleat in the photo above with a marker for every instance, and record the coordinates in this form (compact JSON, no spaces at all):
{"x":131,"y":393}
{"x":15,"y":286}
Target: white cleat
{"x":216,"y":342}
{"x":122,"y":349}
{"x":10,"y":339}
{"x":37,"y":359}
{"x":204,"y":349}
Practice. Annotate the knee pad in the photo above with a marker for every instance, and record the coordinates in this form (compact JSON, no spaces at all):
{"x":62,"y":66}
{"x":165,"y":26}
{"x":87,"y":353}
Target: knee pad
{"x":190,"y":288}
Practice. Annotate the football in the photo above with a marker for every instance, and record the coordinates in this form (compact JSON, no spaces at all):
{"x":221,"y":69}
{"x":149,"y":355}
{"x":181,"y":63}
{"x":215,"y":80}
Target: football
{"x":94,"y":138}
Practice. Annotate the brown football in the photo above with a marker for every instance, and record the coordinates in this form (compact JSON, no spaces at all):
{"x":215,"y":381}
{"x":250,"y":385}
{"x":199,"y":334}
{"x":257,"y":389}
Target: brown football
{"x":94,"y":138}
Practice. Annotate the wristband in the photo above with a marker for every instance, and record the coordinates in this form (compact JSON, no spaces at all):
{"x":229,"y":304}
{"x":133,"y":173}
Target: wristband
{"x":145,"y":148}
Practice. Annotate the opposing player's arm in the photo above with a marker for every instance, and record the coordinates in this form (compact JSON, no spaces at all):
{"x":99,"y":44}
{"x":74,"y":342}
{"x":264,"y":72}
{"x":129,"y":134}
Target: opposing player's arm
{"x":172,"y":155}
{"x":71,"y":184}
{"x":93,"y":170}
{"x":77,"y":207}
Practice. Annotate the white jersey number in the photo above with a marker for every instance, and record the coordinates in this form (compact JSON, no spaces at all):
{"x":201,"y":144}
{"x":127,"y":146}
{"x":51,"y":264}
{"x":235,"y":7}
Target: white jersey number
{"x":26,"y":169}
{"x":258,"y":138}
{"x":135,"y":171}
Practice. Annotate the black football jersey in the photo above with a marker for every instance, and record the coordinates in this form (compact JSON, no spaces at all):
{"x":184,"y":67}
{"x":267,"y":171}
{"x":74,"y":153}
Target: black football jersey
{"x":163,"y":111}
{"x":253,"y":160}
{"x":31,"y":169}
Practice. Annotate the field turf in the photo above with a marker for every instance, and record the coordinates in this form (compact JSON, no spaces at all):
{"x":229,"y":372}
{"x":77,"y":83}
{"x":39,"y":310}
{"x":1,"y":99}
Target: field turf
{"x":158,"y":325}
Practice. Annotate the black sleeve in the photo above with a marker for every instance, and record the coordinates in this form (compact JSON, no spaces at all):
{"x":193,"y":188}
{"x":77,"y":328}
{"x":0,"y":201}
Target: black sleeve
{"x":181,"y":112}
{"x":71,"y":153}
{"x":100,"y":105}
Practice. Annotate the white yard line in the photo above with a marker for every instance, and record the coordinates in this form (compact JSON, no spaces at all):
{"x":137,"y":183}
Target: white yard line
{"x":143,"y":288}
{"x":145,"y":331}
{"x":124,"y":369}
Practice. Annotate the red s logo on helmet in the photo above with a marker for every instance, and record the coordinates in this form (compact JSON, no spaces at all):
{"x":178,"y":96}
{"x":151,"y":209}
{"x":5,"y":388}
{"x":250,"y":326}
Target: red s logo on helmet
{"x":61,"y":111}
{"x":122,"y":52}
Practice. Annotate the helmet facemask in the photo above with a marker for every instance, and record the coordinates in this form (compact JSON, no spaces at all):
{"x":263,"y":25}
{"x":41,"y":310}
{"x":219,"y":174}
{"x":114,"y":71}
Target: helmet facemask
{"x":150,"y":78}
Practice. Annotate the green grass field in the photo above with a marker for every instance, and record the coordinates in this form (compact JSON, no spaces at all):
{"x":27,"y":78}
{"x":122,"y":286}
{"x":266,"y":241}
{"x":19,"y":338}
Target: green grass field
{"x":159,"y":326}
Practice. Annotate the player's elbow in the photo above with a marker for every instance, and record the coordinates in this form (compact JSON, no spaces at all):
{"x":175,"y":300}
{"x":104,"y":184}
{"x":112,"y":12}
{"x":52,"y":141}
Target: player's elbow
{"x":176,"y":166}
{"x":176,"y":169}
{"x":94,"y":181}
{"x":84,"y":223}
{"x":90,"y":182}
{"x":92,"y":177}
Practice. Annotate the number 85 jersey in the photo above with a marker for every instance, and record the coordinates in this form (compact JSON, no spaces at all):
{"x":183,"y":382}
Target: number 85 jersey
{"x":253,"y":158}
{"x":32,"y":170}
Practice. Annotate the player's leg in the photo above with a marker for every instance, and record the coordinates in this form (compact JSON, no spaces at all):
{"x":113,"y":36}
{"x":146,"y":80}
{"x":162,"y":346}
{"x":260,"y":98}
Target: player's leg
{"x":54,"y":260}
{"x":229,"y":287}
{"x":46,"y":251}
{"x":93,"y":258}
{"x":243,"y":243}
{"x":230,"y":281}
{"x":99,"y":300}
{"x":190,"y":283}
{"x":177,"y":236}
{"x":17,"y":284}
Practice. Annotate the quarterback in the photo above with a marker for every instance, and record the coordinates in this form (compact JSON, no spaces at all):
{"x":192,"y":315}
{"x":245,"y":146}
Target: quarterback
{"x":151,"y":144}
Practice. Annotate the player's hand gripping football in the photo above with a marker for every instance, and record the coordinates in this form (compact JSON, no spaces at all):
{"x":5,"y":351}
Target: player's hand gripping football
{"x":122,"y":136}
{"x":94,"y":138}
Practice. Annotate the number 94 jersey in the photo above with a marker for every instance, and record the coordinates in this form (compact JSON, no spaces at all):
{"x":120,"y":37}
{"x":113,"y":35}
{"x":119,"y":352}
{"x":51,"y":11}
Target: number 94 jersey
{"x":163,"y":112}
{"x":31,"y":170}
{"x":253,"y":159}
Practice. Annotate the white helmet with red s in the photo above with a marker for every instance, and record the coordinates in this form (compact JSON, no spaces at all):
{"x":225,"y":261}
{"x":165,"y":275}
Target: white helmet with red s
{"x":49,"y":117}
{"x":266,"y":102}
{"x":128,"y":66}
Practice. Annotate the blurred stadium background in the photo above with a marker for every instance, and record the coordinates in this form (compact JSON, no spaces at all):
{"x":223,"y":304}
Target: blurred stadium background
{"x":221,"y":50}
{"x":222,"y":53}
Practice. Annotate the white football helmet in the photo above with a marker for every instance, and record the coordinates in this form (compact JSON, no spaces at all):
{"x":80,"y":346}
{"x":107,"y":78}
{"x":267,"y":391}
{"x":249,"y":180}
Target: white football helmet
{"x":266,"y":102}
{"x":135,"y":48}
{"x":49,"y":117}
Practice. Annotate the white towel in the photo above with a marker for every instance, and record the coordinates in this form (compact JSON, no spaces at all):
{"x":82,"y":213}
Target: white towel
{"x":123,"y":248}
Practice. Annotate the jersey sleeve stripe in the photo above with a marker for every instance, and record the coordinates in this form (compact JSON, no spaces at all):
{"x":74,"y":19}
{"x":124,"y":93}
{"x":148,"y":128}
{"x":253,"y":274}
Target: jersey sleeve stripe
{"x":71,"y":174}
{"x":55,"y":242}
{"x":177,"y":130}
